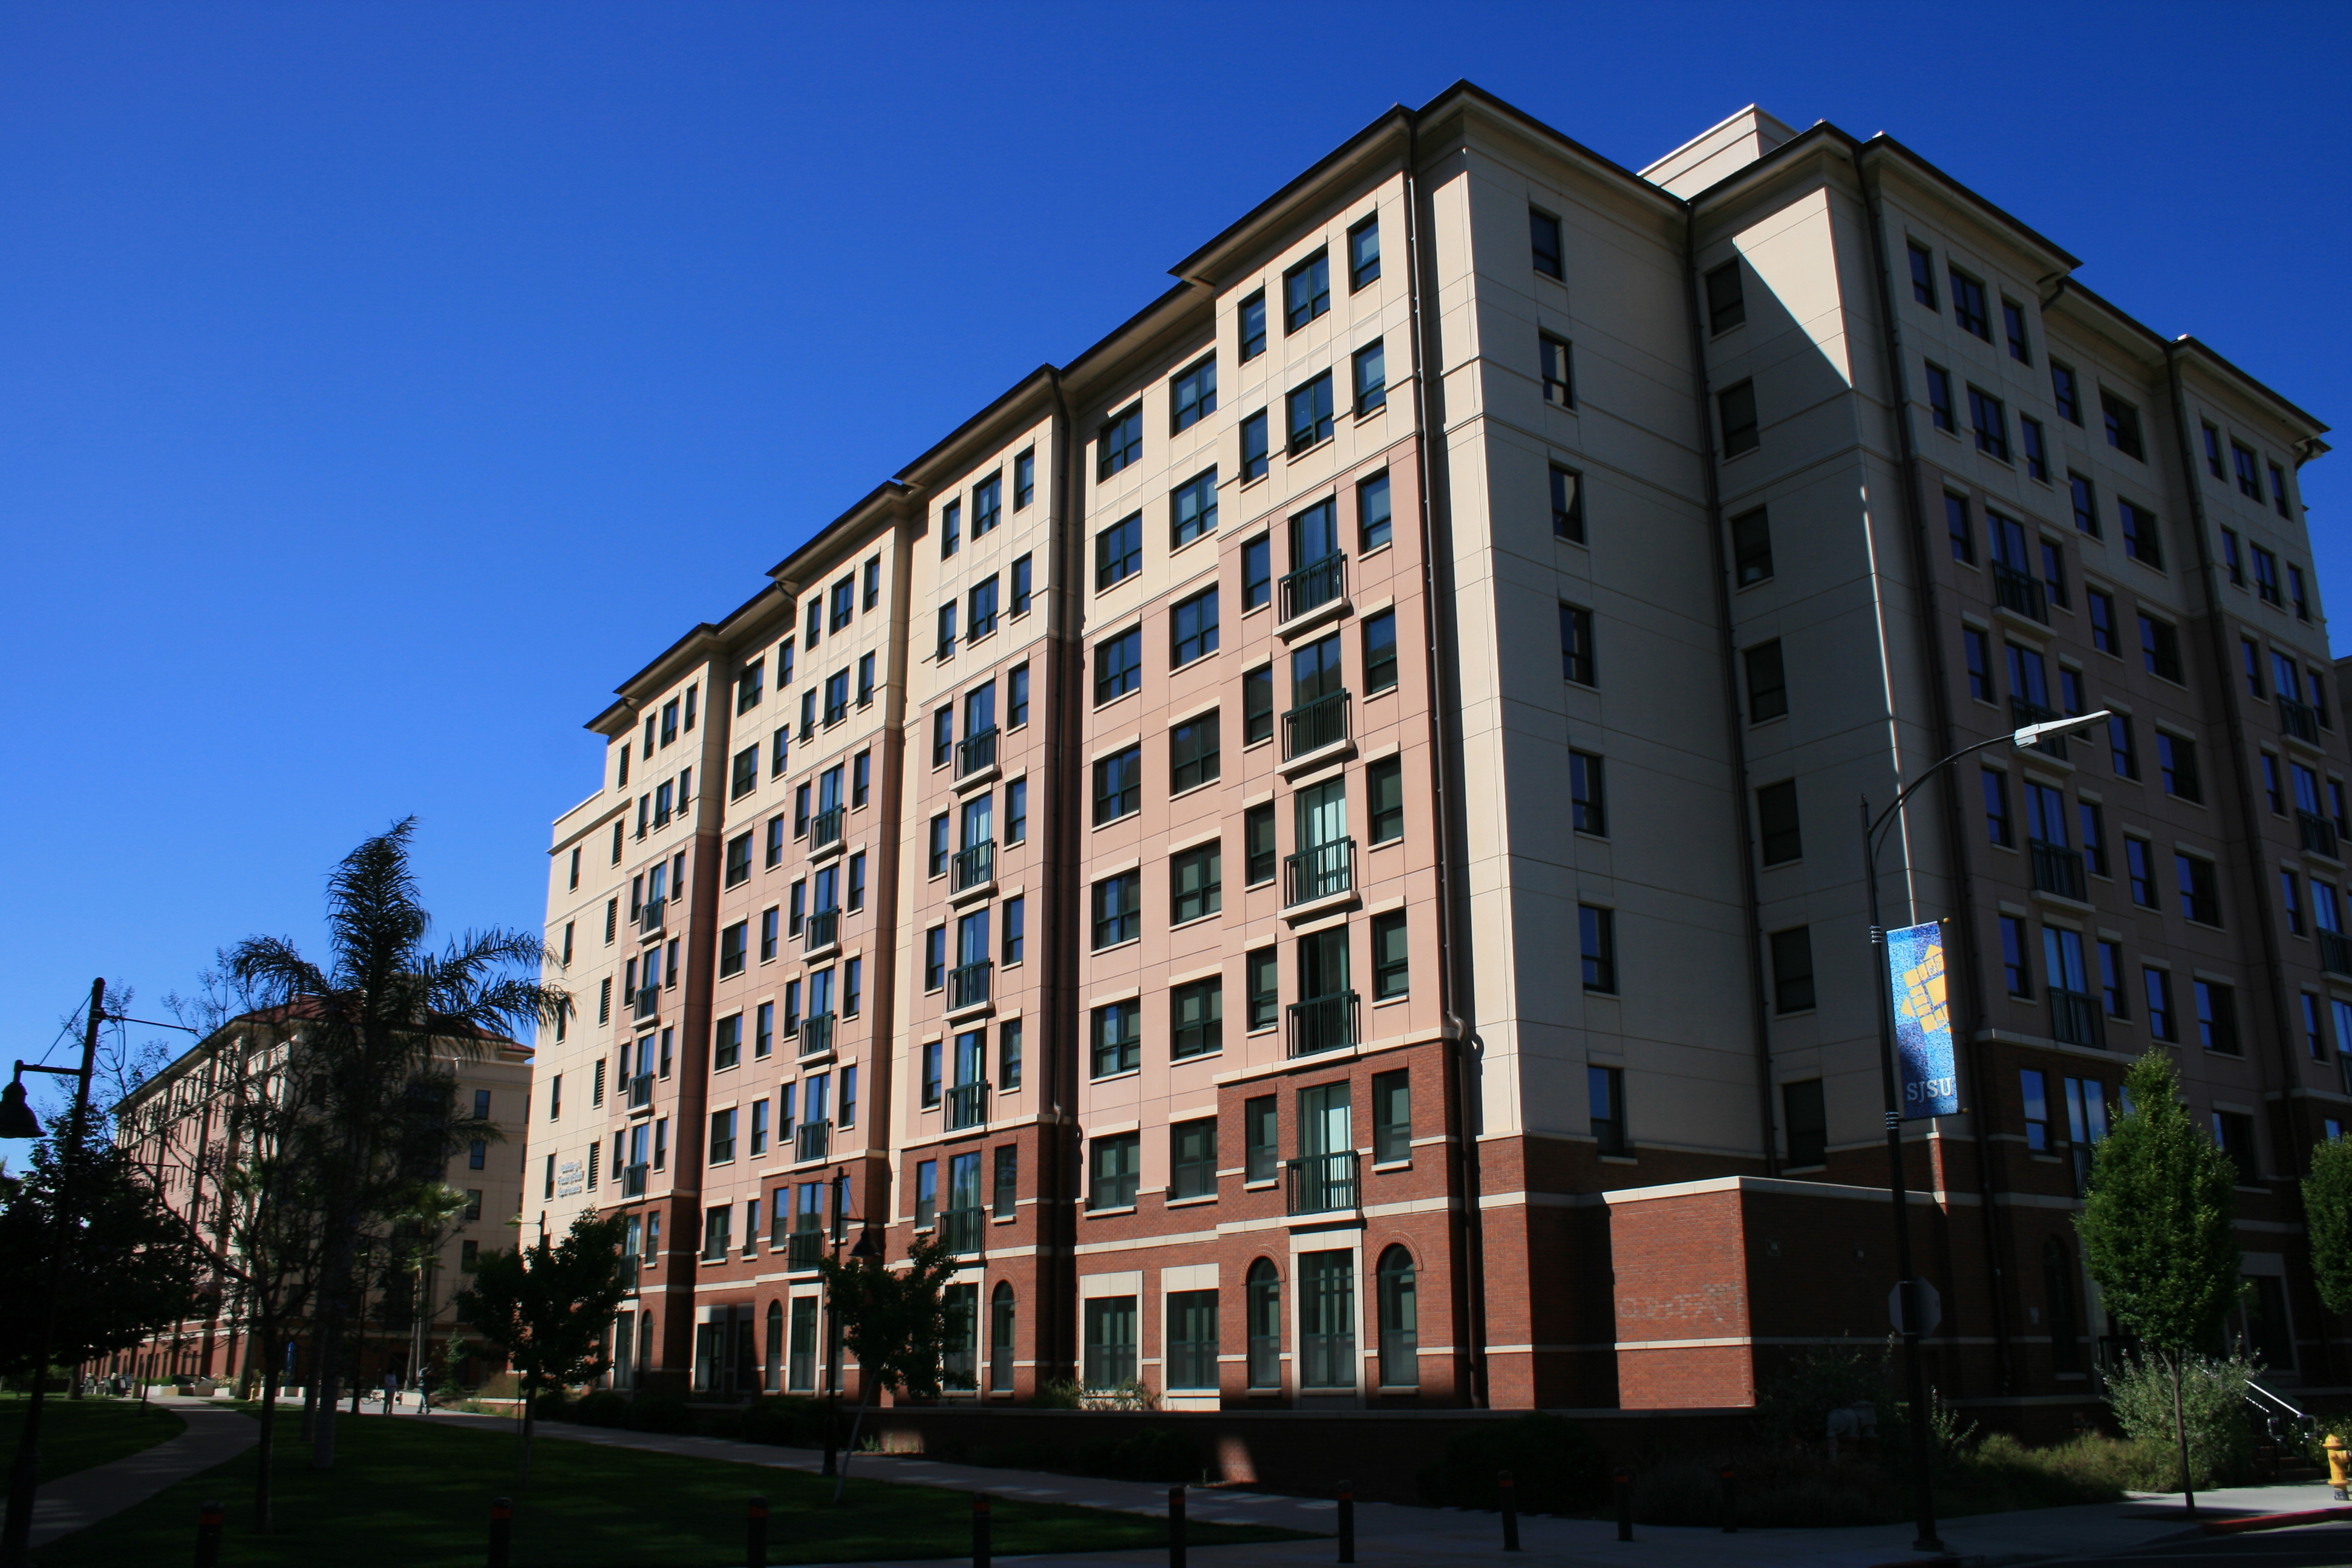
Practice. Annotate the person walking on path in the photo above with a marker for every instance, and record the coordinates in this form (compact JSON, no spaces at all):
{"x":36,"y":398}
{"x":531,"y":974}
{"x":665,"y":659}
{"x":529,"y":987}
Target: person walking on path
{"x":391,"y":1391}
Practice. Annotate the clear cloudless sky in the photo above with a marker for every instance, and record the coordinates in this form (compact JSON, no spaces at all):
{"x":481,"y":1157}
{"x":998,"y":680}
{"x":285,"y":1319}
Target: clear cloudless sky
{"x":380,"y":385}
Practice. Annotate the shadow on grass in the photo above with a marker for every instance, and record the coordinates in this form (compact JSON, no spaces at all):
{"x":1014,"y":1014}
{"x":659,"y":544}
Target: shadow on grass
{"x":415,"y":1493}
{"x":78,"y":1433}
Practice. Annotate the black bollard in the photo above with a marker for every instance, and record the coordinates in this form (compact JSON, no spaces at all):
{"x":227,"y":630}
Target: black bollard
{"x":502,"y":1530}
{"x":1511,"y":1511}
{"x":1175,"y":1526}
{"x":1346,"y":1522}
{"x":980,"y":1543}
{"x":1622,"y":1479}
{"x":755,"y":1533}
{"x":209,"y":1520}
{"x":1730,"y":1499}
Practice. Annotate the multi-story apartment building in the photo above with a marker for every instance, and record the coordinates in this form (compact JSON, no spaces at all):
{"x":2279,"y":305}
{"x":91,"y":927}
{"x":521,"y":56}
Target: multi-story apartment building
{"x":181,"y":1124}
{"x":1315,"y":843}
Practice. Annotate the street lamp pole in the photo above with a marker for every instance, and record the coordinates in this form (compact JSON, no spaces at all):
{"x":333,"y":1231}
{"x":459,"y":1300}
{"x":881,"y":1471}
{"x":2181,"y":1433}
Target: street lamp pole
{"x":1907,"y":1286}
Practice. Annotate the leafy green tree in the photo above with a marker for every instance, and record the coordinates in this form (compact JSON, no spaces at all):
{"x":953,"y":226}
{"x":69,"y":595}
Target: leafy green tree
{"x":2158,"y":1228}
{"x":549,"y":1307}
{"x":2327,"y":1218}
{"x":896,"y":1324}
{"x":380,"y":1107}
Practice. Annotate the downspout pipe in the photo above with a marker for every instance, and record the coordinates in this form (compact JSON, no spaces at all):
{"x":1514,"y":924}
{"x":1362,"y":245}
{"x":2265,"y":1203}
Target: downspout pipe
{"x":1734,"y":711}
{"x":1471,"y":1233}
{"x":1898,"y":398}
{"x":1059,"y":1141}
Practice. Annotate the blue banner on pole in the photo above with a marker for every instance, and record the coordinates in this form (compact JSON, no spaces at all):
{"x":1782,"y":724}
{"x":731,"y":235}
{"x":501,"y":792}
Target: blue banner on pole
{"x":1923,"y":1028}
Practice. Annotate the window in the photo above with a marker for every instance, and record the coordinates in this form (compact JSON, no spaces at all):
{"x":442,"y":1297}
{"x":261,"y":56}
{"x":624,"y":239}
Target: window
{"x":1193,"y":752}
{"x":2159,"y":647}
{"x":1735,"y":406}
{"x":1118,"y":1038}
{"x":1776,"y":823}
{"x":1996,"y":808}
{"x":1792,"y":970}
{"x":1576,"y":644}
{"x":1392,"y":956}
{"x":2139,"y":869}
{"x":2064,"y":394}
{"x":2250,"y":484}
{"x":2201,"y":897}
{"x":1363,"y":254}
{"x":1196,"y":1018}
{"x":935,"y":958}
{"x":2235,"y":1134}
{"x":1016,"y":929}
{"x":2266,"y":576}
{"x":2034,"y":1092}
{"x":865,"y":661}
{"x":1118,"y":909}
{"x":2094,"y":839}
{"x":2176,"y":760}
{"x":1940,"y":399}
{"x":1751,"y":547}
{"x":1008,"y":1055}
{"x":2012,"y":321}
{"x":722,"y":1139}
{"x":1976,"y":650}
{"x":938,"y":864}
{"x":1605,"y":1089}
{"x":1118,"y":665}
{"x":1767,"y":684}
{"x":1957,"y":525}
{"x":2302,"y":598}
{"x":1543,"y":238}
{"x":1306,"y":292}
{"x":1110,"y":1320}
{"x":1369,"y":375}
{"x":1558,"y":383}
{"x":2212,"y":450}
{"x":1252,"y":326}
{"x":2122,"y":426}
{"x":2278,"y":492}
{"x":1192,"y":394}
{"x":731,"y":948}
{"x":1597,"y":940}
{"x":2313,"y":1041}
{"x":1257,"y":834}
{"x":980,"y":620}
{"x":1119,"y":785}
{"x":1119,"y":442}
{"x":1588,"y":794}
{"x":1380,"y":653}
{"x":1195,"y":884}
{"x":1262,"y":968}
{"x":1310,"y":414}
{"x":1566,"y":504}
{"x":950,"y":537}
{"x":1255,"y":461}
{"x":1727,"y":305}
{"x":1384,"y":787}
{"x":1807,"y":1121}
{"x":2141,"y":540}
{"x":1119,"y":554}
{"x":2015,"y":965}
{"x":1257,"y":705}
{"x":750,"y":684}
{"x":1923,"y":275}
{"x":2290,"y":897}
{"x":1989,"y":418}
{"x":1192,"y":509}
{"x":1968,"y":305}
{"x":1257,"y":573}
{"x":2102,"y":607}
{"x":1193,"y":627}
{"x":1016,"y":812}
{"x":2156,"y":985}
{"x":2217,"y":1018}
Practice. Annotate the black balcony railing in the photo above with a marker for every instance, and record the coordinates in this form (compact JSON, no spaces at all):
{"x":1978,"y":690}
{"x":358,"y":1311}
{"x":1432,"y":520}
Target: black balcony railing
{"x":2015,"y":589}
{"x":821,"y":930}
{"x":967,"y":1106}
{"x":648,"y":1001}
{"x":1311,"y":726}
{"x":1315,"y":584}
{"x":975,"y":867}
{"x":1320,"y":1184}
{"x":816,"y":1034}
{"x":641,"y":1092}
{"x":960,"y":1229}
{"x":2299,"y":720}
{"x":2335,"y":957}
{"x":2057,"y":869}
{"x":2021,"y":714}
{"x":1322,"y":1024}
{"x":968,"y":986}
{"x":2318,"y":832}
{"x":812,"y":1141}
{"x":976,"y":753}
{"x":824,"y":828}
{"x":2076,"y":1019}
{"x":1319,"y":871}
{"x":633,"y":1182}
{"x":803,"y":1249}
{"x":649,"y":917}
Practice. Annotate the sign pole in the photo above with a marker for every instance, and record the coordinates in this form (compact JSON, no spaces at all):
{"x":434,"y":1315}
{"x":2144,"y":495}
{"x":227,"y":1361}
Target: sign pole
{"x":1923,"y":1486}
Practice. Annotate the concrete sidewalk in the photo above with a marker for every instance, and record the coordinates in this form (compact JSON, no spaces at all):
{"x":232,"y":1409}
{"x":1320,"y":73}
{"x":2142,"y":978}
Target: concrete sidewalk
{"x":214,"y":1436}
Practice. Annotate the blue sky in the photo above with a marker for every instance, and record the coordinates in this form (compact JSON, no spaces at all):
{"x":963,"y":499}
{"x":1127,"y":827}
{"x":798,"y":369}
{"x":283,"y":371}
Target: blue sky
{"x":380,"y":385}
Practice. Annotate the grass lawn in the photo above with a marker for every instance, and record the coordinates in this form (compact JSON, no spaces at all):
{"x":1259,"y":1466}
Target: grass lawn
{"x":418,"y":1491}
{"x":78,"y":1433}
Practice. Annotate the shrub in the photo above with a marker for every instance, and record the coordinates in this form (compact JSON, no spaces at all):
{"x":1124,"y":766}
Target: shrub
{"x":2212,"y":1409}
{"x":788,"y":1421}
{"x":659,"y":1412}
{"x":1555,"y":1464}
{"x":602,"y":1408}
{"x":1058,"y":1394}
{"x":1794,"y":1404}
{"x":551,"y":1405}
{"x":1157,"y":1454}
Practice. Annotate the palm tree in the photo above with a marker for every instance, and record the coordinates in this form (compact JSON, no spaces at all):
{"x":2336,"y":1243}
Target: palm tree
{"x":374,"y":1018}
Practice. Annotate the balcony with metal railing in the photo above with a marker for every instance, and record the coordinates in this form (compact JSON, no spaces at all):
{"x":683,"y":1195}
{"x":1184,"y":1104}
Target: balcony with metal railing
{"x":967,"y":1105}
{"x":961,"y":1230}
{"x":2318,"y":834}
{"x":648,"y":1002}
{"x":2056,"y":869}
{"x":1319,"y":871}
{"x":1323,"y":1024}
{"x":812,"y":1141}
{"x":2299,"y":720}
{"x":816,"y":1034}
{"x":825,"y":829}
{"x":649,"y":917}
{"x":1315,"y":726}
{"x":2020,"y":592}
{"x":973,"y":868}
{"x":968,"y":986}
{"x":2021,"y":714}
{"x":1322,"y":1184}
{"x":2076,"y":1019}
{"x":975,"y":754}
{"x":2335,"y":957}
{"x":1313,"y":585}
{"x":802,"y":1249}
{"x":821,"y":929}
{"x":641,"y":1092}
{"x":632,"y":1181}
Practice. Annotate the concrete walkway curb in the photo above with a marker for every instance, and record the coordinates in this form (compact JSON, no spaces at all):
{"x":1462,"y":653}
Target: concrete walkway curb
{"x":76,"y":1501}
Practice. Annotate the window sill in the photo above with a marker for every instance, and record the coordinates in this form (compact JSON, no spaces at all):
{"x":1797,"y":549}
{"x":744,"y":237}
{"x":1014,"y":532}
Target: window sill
{"x":1405,"y":1165}
{"x":1115,"y":1076}
{"x":1105,"y":1214}
{"x":1380,"y":549}
{"x":1191,"y":1203}
{"x":1618,"y":1160}
{"x":1381,"y":1001}
{"x":1196,"y":920}
{"x":1114,"y":947}
{"x":1194,"y":789}
{"x":1115,"y":702}
{"x":1266,"y":1186}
